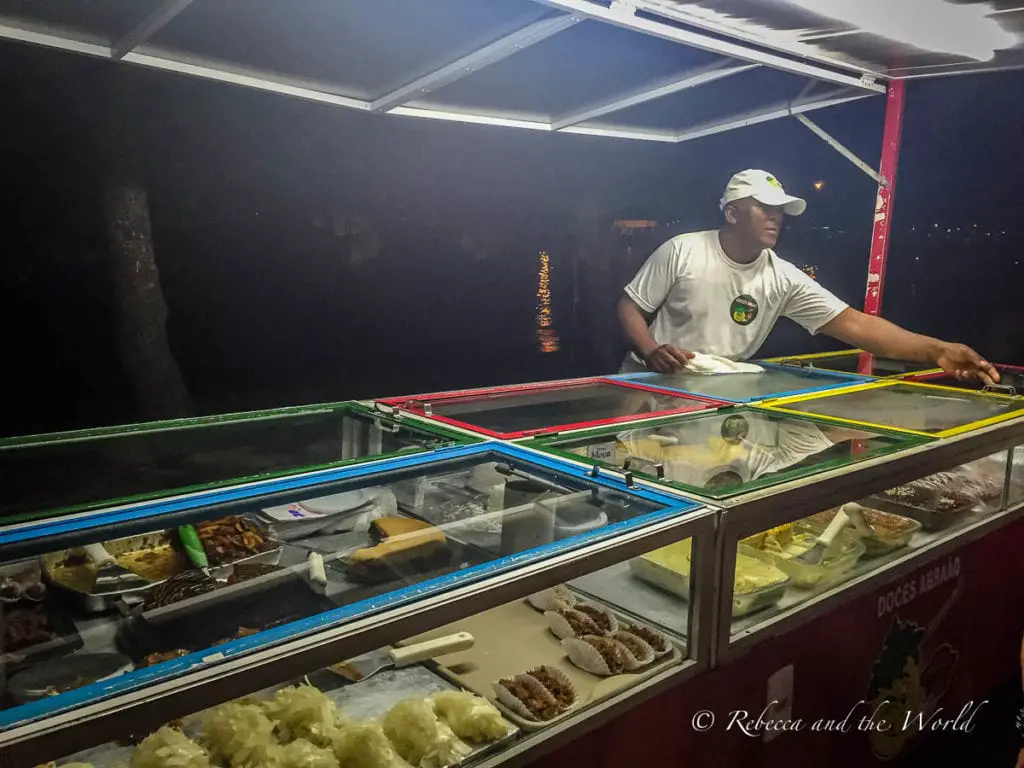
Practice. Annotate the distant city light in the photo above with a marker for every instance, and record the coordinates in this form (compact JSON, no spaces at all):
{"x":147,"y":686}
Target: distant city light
{"x":546,"y":335}
{"x":811,"y":270}
{"x":629,"y":226}
{"x":819,"y":185}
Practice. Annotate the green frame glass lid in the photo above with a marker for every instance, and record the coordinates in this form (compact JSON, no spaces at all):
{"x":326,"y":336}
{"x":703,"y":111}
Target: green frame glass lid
{"x":729,"y":452}
{"x":68,"y":472}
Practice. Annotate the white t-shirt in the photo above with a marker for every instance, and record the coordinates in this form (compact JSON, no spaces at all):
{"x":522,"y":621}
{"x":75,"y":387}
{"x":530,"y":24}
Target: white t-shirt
{"x":705,"y":302}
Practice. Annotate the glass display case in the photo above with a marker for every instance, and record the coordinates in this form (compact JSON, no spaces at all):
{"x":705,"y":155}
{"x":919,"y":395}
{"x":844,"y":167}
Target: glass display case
{"x":773,"y":382}
{"x":63,"y":473}
{"x":848,"y":360}
{"x":921,"y":409}
{"x":519,"y":411}
{"x":823,"y":545}
{"x":260,"y":584}
{"x":510,"y":598}
{"x":728,"y":452}
{"x":1011,"y":380}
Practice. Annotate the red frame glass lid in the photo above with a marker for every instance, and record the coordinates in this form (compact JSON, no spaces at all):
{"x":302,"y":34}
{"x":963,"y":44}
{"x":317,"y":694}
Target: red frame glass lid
{"x":1011,"y":376}
{"x":517,"y":411}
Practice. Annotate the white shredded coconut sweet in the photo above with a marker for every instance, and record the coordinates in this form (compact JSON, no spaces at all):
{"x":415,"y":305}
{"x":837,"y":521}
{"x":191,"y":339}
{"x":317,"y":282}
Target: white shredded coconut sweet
{"x":420,"y":737}
{"x":240,"y":735}
{"x":364,"y":745}
{"x":303,"y":712}
{"x":303,"y":754}
{"x":168,"y":748}
{"x":472,"y":718}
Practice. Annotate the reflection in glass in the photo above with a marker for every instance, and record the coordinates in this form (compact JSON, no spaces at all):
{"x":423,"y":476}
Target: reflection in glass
{"x":724,"y":454}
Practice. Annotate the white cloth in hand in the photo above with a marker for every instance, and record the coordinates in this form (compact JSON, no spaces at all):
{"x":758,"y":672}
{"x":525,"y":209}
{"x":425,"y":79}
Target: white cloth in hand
{"x":701,"y":363}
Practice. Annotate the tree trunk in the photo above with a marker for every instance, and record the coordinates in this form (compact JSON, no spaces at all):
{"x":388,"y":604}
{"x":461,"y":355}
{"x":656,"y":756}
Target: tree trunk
{"x":146,"y":357}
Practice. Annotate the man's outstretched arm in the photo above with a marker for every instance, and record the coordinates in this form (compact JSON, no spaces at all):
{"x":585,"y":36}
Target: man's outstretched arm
{"x":880,"y":337}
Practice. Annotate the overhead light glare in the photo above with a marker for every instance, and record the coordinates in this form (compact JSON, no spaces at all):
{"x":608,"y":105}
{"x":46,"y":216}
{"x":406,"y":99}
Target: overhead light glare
{"x":932,"y":25}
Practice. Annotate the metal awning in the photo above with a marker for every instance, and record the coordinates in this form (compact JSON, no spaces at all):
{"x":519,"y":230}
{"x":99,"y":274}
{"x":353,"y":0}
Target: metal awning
{"x":657,"y":70}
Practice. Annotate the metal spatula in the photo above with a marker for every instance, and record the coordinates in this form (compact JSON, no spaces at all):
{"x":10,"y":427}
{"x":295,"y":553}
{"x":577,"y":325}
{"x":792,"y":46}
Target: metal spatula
{"x":111,"y":577}
{"x":367,"y":665}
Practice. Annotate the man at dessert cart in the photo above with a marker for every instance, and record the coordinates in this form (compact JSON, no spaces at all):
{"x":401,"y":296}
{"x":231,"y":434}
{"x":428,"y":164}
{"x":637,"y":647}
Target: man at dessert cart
{"x":720,"y":293}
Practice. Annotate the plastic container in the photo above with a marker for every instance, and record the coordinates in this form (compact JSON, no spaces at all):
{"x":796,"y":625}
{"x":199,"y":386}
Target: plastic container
{"x":575,"y":515}
{"x":890,"y":531}
{"x":526,"y":527}
{"x":669,"y":569}
{"x":837,"y":563}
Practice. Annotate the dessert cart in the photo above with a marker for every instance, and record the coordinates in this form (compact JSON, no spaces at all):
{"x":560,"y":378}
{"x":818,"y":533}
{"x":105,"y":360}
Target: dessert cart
{"x":491,"y":524}
{"x":881,"y":615}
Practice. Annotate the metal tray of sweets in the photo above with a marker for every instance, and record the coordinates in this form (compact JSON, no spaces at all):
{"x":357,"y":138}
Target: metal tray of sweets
{"x":932,"y":515}
{"x":130,"y":551}
{"x":229,"y":610}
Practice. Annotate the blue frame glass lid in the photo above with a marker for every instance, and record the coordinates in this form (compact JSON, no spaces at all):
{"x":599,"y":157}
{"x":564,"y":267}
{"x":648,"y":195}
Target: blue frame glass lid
{"x":386,"y":534}
{"x":775,"y":381}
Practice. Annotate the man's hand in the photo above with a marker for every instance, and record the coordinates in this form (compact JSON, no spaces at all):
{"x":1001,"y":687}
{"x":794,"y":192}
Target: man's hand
{"x":667,"y":359}
{"x":880,"y":337}
{"x":965,"y":364}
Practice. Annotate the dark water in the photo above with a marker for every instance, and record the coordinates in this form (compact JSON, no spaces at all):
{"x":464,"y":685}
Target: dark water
{"x":311,"y":254}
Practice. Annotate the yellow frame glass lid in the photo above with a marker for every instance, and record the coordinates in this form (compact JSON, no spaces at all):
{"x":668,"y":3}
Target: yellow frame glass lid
{"x":785,"y":405}
{"x":811,"y":357}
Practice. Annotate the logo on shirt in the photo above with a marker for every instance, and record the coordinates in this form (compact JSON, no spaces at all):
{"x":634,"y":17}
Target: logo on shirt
{"x":743,"y":309}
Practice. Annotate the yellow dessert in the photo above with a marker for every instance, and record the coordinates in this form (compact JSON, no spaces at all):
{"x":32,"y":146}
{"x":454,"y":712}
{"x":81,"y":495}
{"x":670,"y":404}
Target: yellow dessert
{"x":669,"y":568}
{"x":77,"y":572}
{"x":404,"y":545}
{"x":778,"y":536}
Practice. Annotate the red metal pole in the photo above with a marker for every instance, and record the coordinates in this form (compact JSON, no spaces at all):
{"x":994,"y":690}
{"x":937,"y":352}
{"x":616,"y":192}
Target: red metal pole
{"x":883,"y":208}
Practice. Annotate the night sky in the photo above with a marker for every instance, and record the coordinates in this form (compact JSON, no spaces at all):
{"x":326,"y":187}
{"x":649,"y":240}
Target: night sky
{"x":312,"y":253}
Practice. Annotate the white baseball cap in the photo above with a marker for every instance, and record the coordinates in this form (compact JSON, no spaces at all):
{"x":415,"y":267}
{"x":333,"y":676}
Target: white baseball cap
{"x":763,"y":187}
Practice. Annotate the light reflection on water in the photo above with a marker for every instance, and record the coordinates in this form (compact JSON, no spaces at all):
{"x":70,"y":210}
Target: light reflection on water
{"x":547,"y":338}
